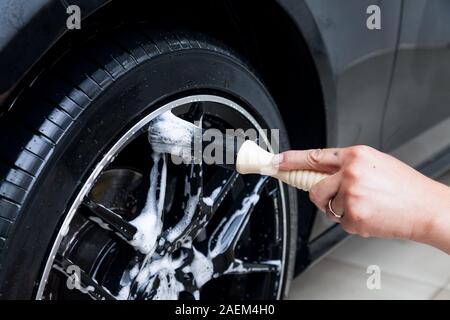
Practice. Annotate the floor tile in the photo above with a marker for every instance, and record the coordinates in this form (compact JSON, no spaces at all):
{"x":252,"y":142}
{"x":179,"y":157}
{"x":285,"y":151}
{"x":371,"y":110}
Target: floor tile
{"x":397,"y":257}
{"x":334,"y":280}
{"x":442,"y":295}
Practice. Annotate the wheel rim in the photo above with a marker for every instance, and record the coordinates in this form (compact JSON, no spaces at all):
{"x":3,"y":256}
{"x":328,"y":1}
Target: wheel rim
{"x":102,"y":247}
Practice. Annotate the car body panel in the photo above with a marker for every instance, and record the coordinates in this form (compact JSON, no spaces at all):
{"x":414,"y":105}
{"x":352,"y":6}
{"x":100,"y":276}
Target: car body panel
{"x":28,"y":30}
{"x":418,"y":111}
{"x":361,"y":61}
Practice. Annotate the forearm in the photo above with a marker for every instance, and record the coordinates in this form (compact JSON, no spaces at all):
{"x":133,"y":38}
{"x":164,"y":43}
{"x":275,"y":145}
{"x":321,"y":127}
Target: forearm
{"x":434,"y":227}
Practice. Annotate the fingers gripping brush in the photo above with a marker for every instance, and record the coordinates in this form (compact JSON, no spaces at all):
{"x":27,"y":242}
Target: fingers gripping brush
{"x":170,"y":134}
{"x":251,"y":158}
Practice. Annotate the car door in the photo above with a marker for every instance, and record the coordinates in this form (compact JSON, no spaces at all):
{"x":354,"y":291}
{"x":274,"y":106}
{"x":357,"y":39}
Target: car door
{"x":362,"y":60}
{"x":416,"y":127}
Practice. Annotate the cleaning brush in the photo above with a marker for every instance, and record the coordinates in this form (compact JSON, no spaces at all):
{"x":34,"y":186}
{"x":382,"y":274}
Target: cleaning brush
{"x":170,"y":134}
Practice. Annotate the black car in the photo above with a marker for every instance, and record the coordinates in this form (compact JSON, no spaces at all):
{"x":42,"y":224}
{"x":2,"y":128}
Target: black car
{"x":80,"y":81}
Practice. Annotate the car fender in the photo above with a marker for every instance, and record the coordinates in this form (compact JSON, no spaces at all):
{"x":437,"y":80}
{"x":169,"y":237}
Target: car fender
{"x":29,"y":29}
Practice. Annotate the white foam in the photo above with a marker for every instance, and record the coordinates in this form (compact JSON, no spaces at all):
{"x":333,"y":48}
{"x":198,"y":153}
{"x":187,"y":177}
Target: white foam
{"x":223,"y":237}
{"x":239,"y":267}
{"x":189,"y":212}
{"x":149,"y":221}
{"x":170,"y":134}
{"x":100,"y":222}
{"x":201,"y":268}
{"x":149,"y":224}
{"x":209,"y":201}
{"x":164,"y":269}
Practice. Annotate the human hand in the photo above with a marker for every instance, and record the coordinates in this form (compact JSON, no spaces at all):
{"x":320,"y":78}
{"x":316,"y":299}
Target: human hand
{"x":377,"y":194}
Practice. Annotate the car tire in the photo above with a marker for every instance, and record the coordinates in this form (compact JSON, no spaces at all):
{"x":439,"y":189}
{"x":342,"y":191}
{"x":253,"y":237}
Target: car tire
{"x":61,"y":125}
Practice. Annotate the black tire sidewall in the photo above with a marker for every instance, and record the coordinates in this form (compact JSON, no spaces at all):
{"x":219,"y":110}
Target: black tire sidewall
{"x":123,"y":103}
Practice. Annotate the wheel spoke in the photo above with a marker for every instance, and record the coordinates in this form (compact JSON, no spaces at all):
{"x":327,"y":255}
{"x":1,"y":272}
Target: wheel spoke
{"x":110,"y":220}
{"x":216,"y":190}
{"x":149,"y":281}
{"x":80,"y":280}
{"x":195,"y":112}
{"x":229,"y":230}
{"x":241,"y":267}
{"x":188,"y":281}
{"x":194,"y":218}
{"x":149,"y":222}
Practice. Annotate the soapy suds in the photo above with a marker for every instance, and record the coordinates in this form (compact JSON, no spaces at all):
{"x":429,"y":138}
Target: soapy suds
{"x":149,"y":226}
{"x":161,"y":267}
{"x":87,"y":290}
{"x":209,"y":201}
{"x":239,"y":267}
{"x":149,"y":222}
{"x":170,"y":134}
{"x":226,"y":232}
{"x":127,"y":281}
{"x":189,"y":211}
{"x":164,"y":269}
{"x":201,"y":267}
{"x":100,"y":223}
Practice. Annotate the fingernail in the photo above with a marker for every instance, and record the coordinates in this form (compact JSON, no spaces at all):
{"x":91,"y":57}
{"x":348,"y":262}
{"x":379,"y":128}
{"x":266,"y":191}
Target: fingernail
{"x":277,"y":159}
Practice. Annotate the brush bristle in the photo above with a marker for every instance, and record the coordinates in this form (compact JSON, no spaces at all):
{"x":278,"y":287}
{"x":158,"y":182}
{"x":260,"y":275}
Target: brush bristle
{"x":168,"y":133}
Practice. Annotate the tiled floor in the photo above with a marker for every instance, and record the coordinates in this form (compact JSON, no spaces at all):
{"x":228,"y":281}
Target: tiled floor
{"x":408,"y":270}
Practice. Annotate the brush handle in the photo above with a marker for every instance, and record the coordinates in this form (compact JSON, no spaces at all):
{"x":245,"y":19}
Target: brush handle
{"x":300,"y":179}
{"x":252,"y":159}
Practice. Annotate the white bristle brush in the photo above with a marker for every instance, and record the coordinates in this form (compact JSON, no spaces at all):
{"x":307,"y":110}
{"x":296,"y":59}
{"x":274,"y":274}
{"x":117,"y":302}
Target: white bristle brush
{"x":170,"y":134}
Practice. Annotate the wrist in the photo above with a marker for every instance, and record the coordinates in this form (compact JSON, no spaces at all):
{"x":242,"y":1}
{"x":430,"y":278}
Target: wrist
{"x":433,"y":225}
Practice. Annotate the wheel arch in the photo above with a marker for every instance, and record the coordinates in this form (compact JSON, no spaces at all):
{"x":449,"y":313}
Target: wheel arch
{"x":29,"y":30}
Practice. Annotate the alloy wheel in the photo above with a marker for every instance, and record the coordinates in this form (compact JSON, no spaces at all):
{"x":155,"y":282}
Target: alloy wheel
{"x":142,"y":227}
